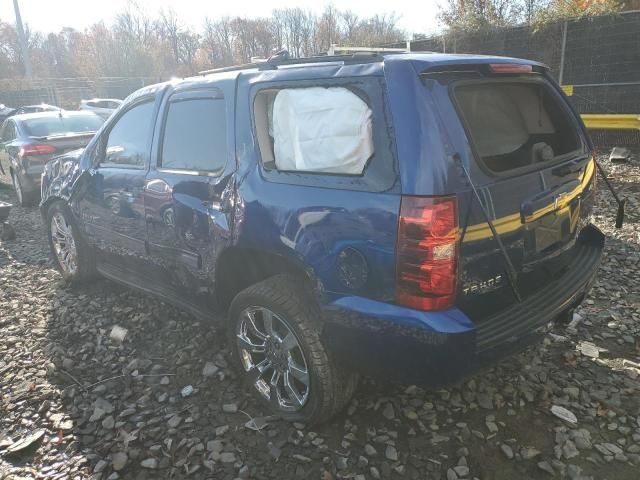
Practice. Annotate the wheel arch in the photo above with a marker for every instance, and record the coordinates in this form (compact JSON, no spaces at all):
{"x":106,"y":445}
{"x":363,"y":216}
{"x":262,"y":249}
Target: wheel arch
{"x":238,"y":268}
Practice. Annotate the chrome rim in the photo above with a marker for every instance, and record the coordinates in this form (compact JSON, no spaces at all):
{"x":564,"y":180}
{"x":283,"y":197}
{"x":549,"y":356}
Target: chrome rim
{"x":16,"y":185}
{"x":64,"y":246}
{"x":273,"y":359}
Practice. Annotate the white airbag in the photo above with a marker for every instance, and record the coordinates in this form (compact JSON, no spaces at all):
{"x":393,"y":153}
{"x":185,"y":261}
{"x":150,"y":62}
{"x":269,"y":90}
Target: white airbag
{"x":321,"y":130}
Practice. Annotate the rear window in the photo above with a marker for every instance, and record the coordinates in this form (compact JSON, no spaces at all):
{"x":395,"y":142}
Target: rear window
{"x":515,"y":124}
{"x":56,"y":125}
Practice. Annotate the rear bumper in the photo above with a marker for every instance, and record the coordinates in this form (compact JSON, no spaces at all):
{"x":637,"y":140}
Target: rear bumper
{"x":395,"y":343}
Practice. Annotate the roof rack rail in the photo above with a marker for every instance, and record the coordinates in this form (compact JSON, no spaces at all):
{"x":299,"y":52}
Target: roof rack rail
{"x":281,"y":59}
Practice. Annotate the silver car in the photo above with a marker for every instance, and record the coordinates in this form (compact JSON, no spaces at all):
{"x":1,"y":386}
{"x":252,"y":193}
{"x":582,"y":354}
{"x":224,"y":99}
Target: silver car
{"x":101,"y":106}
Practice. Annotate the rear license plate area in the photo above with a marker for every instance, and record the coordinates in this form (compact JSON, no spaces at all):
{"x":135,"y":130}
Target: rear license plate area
{"x":552,"y":231}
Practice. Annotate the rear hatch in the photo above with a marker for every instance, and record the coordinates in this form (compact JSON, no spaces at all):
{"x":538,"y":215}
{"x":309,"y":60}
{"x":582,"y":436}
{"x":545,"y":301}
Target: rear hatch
{"x":529,"y":158}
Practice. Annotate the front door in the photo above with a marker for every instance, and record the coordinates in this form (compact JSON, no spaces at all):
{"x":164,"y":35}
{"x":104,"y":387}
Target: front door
{"x":189,"y":190}
{"x":112,"y":206}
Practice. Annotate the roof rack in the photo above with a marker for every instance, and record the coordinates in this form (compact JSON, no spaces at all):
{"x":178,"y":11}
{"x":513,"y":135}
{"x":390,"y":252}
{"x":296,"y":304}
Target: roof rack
{"x":282,"y":58}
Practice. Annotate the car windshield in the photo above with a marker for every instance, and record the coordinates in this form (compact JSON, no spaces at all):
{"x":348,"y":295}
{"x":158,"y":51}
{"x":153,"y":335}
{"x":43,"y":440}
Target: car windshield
{"x":61,"y":125}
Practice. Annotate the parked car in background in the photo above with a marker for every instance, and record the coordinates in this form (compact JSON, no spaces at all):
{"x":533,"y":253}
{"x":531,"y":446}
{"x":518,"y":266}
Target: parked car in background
{"x":43,"y":107}
{"x":28,"y":141}
{"x":5,"y":112}
{"x":412,"y":217}
{"x":101,"y":106}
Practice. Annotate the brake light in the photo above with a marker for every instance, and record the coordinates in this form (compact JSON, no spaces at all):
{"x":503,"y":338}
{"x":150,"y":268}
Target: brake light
{"x":34,"y":149}
{"x":510,"y":68}
{"x":427,"y":252}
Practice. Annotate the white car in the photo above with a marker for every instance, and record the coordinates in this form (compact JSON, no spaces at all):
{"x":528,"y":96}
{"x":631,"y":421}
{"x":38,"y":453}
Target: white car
{"x":101,"y":106}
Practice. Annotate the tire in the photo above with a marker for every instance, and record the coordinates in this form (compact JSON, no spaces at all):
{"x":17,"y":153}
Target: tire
{"x":26,"y":198}
{"x":328,"y":388}
{"x":79,"y":266}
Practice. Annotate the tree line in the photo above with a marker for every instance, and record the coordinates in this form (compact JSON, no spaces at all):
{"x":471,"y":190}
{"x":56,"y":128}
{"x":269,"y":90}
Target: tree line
{"x":470,"y":15}
{"x":138,"y":44}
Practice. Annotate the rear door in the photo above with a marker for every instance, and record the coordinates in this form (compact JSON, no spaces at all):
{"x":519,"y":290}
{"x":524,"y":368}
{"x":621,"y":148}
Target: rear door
{"x":188,"y":192}
{"x":531,"y":163}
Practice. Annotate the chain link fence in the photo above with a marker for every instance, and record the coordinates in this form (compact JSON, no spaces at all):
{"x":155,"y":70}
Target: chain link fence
{"x":67,"y":92}
{"x":597,"y":58}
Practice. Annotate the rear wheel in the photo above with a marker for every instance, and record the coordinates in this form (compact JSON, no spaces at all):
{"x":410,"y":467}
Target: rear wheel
{"x":26,"y":198}
{"x":71,"y":255}
{"x":274,"y":334}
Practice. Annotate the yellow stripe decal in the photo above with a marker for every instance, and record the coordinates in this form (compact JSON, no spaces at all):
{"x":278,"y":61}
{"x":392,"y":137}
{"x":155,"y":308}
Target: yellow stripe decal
{"x":511,"y":223}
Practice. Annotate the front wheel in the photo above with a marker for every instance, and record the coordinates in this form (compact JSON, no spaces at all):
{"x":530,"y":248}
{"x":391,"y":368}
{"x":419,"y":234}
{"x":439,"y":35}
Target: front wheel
{"x":274,"y":334}
{"x":71,"y":255}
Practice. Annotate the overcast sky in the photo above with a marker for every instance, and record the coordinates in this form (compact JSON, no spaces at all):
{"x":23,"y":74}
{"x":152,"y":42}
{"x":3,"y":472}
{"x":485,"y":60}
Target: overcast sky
{"x":416,"y":16}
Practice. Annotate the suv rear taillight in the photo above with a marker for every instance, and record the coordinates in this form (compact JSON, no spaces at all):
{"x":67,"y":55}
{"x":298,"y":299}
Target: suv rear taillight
{"x":427,"y":252}
{"x":35,"y":149}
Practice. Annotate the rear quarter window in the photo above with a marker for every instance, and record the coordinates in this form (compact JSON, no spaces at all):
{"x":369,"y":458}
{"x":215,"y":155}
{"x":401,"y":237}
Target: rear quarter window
{"x":516,"y":124}
{"x":363,"y":159}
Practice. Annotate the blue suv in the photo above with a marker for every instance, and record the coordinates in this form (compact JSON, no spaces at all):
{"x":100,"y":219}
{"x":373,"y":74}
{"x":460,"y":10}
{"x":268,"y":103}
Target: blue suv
{"x":409,"y":217}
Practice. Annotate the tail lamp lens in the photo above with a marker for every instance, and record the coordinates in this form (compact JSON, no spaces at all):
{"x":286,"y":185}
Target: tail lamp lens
{"x":427,"y":252}
{"x":35,"y":149}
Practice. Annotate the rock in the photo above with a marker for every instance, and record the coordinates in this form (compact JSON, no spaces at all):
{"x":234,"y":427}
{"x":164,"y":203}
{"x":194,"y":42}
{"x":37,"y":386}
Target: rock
{"x":119,"y":460}
{"x":362,"y":462}
{"x":388,"y":412}
{"x":451,"y":474}
{"x":230,"y":408}
{"x":461,"y":470}
{"x":546,"y":467}
{"x":391,"y":453}
{"x":108,"y":422}
{"x":492,"y":427}
{"x":369,"y":450}
{"x":529,"y":453}
{"x":564,"y":414}
{"x":100,"y":466}
{"x":341,"y":463}
{"x":97,"y":415}
{"x":209,"y":370}
{"x":150,"y":463}
{"x":569,"y":450}
{"x":485,"y":401}
{"x":375,"y":473}
{"x":507,"y":450}
{"x":174,"y":421}
{"x":25,"y":443}
{"x":301,"y":458}
{"x":227,"y":457}
{"x":582,"y":439}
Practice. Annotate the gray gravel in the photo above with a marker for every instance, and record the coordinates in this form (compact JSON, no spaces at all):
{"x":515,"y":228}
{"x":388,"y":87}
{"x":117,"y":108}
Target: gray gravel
{"x":76,"y":404}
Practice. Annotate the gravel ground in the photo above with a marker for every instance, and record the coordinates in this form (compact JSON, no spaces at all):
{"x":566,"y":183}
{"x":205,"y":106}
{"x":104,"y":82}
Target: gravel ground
{"x":97,"y":409}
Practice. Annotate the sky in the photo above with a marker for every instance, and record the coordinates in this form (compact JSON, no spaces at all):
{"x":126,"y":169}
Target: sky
{"x":416,"y":16}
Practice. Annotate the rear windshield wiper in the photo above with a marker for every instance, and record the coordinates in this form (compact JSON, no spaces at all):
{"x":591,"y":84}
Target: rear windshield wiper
{"x":512,"y":275}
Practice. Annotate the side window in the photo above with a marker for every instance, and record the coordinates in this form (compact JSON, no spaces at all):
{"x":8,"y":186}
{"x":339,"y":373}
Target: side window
{"x":195,"y":135}
{"x":130,"y":138}
{"x":314,"y":130}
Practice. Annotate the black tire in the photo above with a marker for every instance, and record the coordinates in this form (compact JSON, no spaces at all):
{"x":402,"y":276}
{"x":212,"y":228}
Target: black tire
{"x":84,"y":259}
{"x":26,"y":198}
{"x":330,"y":386}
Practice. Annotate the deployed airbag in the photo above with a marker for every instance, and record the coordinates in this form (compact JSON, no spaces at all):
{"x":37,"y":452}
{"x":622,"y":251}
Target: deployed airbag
{"x":321,"y":130}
